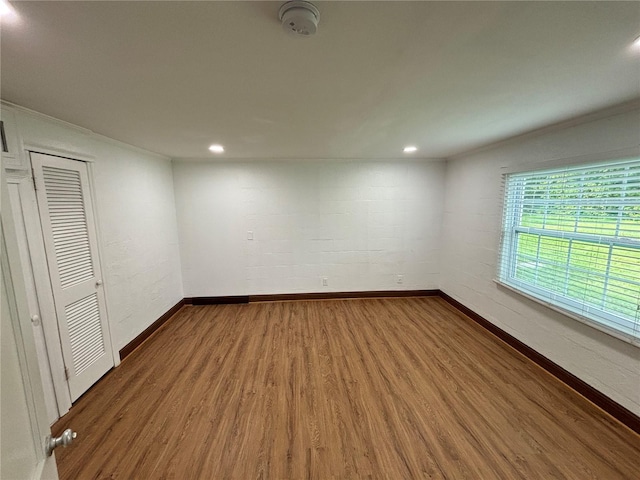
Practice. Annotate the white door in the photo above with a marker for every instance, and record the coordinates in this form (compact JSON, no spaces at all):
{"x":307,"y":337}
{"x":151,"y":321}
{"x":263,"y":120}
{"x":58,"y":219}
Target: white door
{"x":68,"y":226}
{"x":23,"y":422}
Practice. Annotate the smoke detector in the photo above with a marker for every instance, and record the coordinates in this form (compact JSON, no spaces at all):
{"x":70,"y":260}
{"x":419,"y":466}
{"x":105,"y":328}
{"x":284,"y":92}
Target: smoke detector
{"x":299,"y":18}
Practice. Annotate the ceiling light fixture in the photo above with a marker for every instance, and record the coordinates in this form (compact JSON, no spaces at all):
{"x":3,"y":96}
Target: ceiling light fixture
{"x":7,"y":12}
{"x":410,"y":149}
{"x":216,"y":148}
{"x":636,"y":43}
{"x":4,"y":8}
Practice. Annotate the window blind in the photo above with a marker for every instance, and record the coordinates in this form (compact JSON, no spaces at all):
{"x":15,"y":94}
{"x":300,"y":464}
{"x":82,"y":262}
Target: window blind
{"x":571,"y":238}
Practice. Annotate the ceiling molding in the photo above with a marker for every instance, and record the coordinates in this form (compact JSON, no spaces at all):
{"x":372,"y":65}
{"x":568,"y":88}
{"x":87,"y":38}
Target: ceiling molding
{"x":128,"y":146}
{"x":304,"y":160}
{"x":611,"y":111}
{"x":44,"y":116}
{"x":79,"y":129}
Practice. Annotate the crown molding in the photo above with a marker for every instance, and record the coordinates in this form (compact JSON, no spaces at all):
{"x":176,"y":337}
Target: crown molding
{"x":119,"y":143}
{"x":302,"y":160}
{"x":46,"y":117}
{"x":83,"y":130}
{"x":607,"y":112}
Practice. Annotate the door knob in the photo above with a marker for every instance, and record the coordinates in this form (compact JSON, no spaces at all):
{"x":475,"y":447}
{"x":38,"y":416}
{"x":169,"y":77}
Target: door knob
{"x":98,"y":283}
{"x":53,"y":442}
{"x":35,"y":319}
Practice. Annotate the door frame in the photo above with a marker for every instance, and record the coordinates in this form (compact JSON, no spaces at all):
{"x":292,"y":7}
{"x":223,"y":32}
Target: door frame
{"x":62,"y":189}
{"x":13,"y":278}
{"x":40,"y":270}
{"x":20,"y":196}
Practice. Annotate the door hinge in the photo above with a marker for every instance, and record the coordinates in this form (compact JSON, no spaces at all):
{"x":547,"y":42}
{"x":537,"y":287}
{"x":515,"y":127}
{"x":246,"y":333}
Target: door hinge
{"x":67,"y":375}
{"x":33,"y":177}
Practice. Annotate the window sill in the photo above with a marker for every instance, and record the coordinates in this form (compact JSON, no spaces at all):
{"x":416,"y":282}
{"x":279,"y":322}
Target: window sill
{"x":593,"y":324}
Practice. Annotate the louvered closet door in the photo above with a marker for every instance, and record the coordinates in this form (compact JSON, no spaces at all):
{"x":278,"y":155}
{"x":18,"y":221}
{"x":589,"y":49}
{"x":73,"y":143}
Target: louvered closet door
{"x":66,"y":214}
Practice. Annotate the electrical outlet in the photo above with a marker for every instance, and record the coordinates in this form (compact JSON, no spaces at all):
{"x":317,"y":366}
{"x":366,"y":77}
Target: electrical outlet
{"x":400,"y":279}
{"x":249,"y":235}
{"x":325,"y":282}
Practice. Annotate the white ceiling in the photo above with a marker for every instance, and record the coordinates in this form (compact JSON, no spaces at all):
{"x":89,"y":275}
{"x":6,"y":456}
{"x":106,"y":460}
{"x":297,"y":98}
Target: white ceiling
{"x":174,"y":77}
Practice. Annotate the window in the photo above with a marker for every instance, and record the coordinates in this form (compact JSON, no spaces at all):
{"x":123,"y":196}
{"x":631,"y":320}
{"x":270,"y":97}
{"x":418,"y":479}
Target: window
{"x":571,"y":238}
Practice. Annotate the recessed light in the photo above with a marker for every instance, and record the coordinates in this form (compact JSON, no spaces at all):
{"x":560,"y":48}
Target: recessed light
{"x":7,"y":12}
{"x":5,"y":8}
{"x":636,"y":43}
{"x":216,"y":148}
{"x":410,"y":149}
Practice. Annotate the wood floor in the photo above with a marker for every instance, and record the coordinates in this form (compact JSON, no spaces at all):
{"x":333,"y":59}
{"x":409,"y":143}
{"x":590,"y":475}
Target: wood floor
{"x":383,"y":388}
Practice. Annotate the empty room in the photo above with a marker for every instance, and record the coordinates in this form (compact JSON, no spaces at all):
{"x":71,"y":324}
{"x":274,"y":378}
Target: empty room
{"x":320,"y":240}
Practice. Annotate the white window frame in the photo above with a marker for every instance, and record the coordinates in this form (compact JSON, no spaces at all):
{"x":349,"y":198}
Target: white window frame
{"x":590,"y":315}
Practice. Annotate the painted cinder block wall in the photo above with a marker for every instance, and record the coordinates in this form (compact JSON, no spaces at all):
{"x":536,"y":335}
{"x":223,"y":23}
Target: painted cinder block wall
{"x":471,"y":235}
{"x":136,"y":220}
{"x":359,"y":224}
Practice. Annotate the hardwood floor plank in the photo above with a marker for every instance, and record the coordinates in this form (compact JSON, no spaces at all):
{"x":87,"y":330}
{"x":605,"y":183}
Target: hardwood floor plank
{"x":375,"y":388}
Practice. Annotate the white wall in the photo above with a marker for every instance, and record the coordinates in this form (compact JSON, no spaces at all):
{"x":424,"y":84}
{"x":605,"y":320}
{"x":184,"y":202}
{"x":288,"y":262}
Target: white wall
{"x":471,"y":233}
{"x":358,"y":223}
{"x":136,"y":221}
